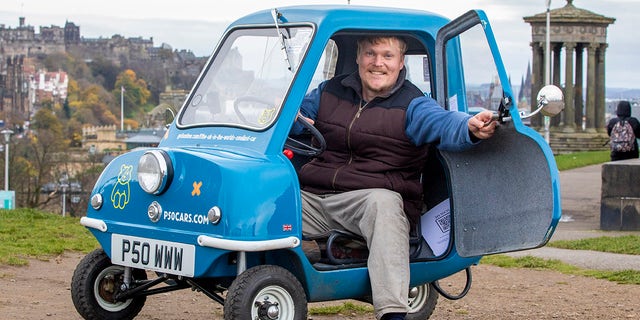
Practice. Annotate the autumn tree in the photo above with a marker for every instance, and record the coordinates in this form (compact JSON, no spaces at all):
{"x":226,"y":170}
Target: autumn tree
{"x":135,"y":92}
{"x":44,"y":147}
{"x":92,"y":104}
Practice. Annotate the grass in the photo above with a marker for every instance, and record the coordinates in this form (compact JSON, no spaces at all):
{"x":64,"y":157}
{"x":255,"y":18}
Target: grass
{"x":581,"y":159}
{"x":345,"y":309}
{"x":28,"y":233}
{"x":503,"y":261}
{"x":624,"y":244}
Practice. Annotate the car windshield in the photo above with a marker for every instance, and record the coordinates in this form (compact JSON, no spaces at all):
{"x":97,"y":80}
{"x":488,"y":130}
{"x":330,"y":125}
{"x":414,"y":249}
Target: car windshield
{"x":247,"y":80}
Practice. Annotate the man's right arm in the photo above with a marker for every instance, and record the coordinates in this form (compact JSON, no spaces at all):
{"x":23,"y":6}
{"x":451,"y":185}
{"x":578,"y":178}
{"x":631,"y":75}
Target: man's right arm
{"x":309,"y":107}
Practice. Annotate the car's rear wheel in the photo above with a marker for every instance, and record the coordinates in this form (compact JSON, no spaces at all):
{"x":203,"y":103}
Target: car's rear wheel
{"x":94,"y":283}
{"x":422,"y":302}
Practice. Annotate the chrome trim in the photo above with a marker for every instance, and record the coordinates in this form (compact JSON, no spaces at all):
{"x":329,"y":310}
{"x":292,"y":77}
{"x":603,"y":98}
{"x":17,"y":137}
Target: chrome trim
{"x":250,"y":246}
{"x":154,"y":211}
{"x":214,"y":215}
{"x":97,"y":201}
{"x":165,"y":167}
{"x":93,"y":223}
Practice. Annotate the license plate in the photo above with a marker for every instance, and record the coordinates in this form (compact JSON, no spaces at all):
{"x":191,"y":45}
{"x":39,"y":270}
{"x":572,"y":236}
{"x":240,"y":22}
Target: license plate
{"x":163,"y":256}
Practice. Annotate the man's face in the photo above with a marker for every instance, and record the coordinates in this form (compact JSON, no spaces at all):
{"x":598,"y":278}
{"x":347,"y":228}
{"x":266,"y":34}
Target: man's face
{"x":379,"y":65}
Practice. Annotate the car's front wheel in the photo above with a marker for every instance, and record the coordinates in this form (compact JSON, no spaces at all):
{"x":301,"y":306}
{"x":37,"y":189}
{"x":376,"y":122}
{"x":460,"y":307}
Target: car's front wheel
{"x":94,"y":283}
{"x":264,"y":293}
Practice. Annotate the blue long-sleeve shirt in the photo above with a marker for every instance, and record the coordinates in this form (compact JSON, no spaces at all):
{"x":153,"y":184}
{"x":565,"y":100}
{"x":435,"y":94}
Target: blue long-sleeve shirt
{"x":426,"y":122}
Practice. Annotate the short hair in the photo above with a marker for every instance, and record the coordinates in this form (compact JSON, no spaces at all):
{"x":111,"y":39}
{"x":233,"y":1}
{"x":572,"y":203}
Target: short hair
{"x":376,"y":39}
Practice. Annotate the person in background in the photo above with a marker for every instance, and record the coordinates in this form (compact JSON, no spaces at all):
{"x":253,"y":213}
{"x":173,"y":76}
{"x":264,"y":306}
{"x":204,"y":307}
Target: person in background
{"x":622,"y":140}
{"x":378,"y":127}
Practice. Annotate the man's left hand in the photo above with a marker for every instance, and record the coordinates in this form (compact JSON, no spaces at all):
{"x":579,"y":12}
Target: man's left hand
{"x":482,"y":125}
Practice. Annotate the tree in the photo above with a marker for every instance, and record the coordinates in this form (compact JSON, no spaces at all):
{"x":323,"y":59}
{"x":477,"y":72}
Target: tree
{"x":92,"y":106}
{"x":135,"y":92}
{"x":44,"y":148}
{"x":105,"y":72}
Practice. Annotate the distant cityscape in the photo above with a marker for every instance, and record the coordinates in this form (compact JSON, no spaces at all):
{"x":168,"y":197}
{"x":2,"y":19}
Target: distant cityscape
{"x":23,"y":85}
{"x":23,"y":41}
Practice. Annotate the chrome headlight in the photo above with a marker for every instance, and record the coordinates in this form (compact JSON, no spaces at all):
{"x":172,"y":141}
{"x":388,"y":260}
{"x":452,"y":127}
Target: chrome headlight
{"x":154,"y":171}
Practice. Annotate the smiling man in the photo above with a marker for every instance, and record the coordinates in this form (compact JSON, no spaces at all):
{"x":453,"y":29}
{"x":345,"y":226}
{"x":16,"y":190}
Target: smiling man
{"x":378,"y":127}
{"x":379,"y":63}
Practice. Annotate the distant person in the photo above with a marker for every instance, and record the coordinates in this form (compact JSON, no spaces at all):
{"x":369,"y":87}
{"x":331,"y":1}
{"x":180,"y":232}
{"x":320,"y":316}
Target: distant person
{"x":623,"y":131}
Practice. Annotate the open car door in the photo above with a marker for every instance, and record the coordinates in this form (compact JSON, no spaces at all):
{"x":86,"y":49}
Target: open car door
{"x":505,"y":192}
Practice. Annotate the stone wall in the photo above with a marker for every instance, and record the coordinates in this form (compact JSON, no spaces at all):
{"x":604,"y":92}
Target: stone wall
{"x":620,"y":201}
{"x":562,"y":143}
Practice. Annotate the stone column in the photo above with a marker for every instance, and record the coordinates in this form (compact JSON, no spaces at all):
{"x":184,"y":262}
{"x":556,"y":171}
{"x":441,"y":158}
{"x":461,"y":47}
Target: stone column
{"x":555,"y":79}
{"x":537,"y":79}
{"x":579,"y":84}
{"x":591,"y":87}
{"x":569,"y":107}
{"x":600,"y":90}
{"x":556,"y":72}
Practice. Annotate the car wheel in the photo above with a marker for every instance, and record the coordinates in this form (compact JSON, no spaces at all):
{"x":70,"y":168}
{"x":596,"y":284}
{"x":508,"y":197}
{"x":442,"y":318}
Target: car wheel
{"x":94,"y":283}
{"x":265,"y":293}
{"x":422,"y":302}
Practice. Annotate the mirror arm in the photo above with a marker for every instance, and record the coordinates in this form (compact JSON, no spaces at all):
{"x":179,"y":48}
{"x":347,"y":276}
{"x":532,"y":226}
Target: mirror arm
{"x":540,"y":106}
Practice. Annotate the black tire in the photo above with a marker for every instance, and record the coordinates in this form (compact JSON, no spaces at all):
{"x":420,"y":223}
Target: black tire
{"x":422,"y":302}
{"x":94,"y":280}
{"x":264,"y":289}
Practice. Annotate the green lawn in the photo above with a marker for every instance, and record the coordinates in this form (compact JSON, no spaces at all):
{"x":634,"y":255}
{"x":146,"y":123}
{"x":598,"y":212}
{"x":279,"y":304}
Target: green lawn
{"x":623,"y":244}
{"x":28,"y":233}
{"x":581,"y":159}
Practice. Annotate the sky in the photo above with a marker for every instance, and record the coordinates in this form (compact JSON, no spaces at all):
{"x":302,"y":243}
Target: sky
{"x":197,"y":25}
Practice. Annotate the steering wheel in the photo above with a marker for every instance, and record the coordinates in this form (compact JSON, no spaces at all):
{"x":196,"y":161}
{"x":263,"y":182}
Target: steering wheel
{"x":307,"y":148}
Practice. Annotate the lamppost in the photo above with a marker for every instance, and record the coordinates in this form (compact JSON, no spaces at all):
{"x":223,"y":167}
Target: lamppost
{"x":7,"y":135}
{"x":64,"y":184}
{"x":547,"y":66}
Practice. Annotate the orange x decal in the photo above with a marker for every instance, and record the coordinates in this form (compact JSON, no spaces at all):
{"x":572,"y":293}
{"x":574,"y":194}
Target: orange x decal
{"x":196,"y":188}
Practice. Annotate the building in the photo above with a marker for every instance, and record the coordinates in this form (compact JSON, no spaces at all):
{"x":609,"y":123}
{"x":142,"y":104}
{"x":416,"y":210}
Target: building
{"x":101,"y":139}
{"x":107,"y":139}
{"x":49,"y":86}
{"x":145,"y":138}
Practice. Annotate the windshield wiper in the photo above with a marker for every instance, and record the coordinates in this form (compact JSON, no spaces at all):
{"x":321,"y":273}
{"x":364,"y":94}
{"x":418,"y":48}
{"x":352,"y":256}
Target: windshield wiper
{"x":275,"y":14}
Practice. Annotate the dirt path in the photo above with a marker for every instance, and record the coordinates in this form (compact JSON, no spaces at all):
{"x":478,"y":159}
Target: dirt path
{"x":41,"y":291}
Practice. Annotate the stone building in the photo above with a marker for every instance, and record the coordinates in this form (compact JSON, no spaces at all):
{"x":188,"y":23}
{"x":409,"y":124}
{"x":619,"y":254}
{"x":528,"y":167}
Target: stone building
{"x":49,"y":86}
{"x":99,"y":139}
{"x":14,"y":90}
{"x":23,"y":40}
{"x":576,"y":32}
{"x":578,"y":42}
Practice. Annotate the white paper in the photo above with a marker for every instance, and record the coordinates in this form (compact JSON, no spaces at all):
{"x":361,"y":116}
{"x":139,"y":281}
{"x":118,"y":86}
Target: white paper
{"x":436,"y":225}
{"x":453,"y":102}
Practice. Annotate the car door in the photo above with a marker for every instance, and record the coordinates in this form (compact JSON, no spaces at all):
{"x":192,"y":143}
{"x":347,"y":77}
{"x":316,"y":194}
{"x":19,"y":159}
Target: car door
{"x":504,"y":192}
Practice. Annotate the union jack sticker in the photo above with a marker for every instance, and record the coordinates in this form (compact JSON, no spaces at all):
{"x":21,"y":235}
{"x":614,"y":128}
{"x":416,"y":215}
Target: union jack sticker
{"x":286,"y":227}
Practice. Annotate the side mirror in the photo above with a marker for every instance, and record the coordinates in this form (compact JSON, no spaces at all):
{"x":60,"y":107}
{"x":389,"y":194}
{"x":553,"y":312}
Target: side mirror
{"x":550,"y":101}
{"x":169,"y":115}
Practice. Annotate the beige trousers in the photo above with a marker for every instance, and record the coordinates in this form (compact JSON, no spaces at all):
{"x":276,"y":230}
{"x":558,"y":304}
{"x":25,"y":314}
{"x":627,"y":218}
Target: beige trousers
{"x":378,"y":216}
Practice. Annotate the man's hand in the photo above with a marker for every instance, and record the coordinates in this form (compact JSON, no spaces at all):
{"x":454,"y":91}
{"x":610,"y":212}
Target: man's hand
{"x":482,"y":125}
{"x":305,"y":118}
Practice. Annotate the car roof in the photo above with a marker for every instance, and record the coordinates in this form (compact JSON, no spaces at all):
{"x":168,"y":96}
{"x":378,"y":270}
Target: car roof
{"x":345,"y":23}
{"x":334,"y":18}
